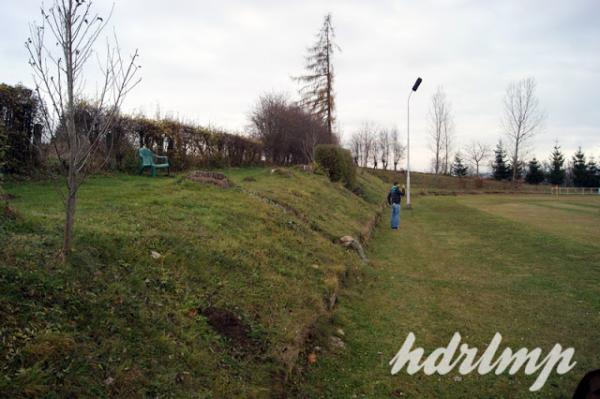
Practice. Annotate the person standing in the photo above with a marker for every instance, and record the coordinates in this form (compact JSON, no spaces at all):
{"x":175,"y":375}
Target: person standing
{"x":394,"y":198}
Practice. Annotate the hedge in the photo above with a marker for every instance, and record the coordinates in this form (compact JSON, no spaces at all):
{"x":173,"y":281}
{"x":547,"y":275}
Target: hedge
{"x":337,"y":163}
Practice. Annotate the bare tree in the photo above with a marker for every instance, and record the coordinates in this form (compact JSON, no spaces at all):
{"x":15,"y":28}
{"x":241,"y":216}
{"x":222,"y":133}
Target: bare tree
{"x":288,"y":132}
{"x":317,"y":92}
{"x":398,"y":149}
{"x":375,"y":150}
{"x":59,"y":77}
{"x":366,"y":137}
{"x":441,"y":131}
{"x":477,"y":153}
{"x":448,"y":140}
{"x":522,"y":119}
{"x":355,"y":147}
{"x":384,"y":147}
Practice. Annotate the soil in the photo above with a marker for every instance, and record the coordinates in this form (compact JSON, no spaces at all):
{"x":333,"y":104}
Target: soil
{"x":229,"y":325}
{"x":205,"y":177}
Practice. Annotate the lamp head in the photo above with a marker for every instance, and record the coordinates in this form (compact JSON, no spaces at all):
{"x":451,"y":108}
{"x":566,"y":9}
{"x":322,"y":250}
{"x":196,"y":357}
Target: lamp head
{"x":417,"y":84}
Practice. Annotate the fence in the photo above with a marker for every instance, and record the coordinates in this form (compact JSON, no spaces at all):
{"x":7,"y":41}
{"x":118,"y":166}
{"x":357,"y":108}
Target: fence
{"x":557,"y":190}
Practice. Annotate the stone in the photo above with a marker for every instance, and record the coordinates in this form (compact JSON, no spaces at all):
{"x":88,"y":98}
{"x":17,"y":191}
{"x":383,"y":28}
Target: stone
{"x":337,"y":343}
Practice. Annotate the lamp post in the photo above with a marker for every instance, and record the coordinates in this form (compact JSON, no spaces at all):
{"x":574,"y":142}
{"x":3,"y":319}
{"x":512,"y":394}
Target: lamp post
{"x":414,"y":88}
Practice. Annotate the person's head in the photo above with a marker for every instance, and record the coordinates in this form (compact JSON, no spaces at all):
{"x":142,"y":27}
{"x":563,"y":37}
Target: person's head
{"x":589,"y":386}
{"x":395,"y":184}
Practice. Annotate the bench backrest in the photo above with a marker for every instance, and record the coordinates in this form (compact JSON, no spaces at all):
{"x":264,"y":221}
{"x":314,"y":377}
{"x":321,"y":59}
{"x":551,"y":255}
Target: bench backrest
{"x":146,"y":156}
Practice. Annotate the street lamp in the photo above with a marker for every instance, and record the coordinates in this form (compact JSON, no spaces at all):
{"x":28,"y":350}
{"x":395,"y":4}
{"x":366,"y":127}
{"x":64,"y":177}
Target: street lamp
{"x":414,"y":88}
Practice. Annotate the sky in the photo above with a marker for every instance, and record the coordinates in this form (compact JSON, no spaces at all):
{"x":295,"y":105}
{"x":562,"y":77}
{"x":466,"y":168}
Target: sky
{"x":209,"y":61}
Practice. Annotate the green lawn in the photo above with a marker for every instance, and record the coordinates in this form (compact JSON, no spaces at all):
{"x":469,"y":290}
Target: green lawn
{"x":527,"y":267}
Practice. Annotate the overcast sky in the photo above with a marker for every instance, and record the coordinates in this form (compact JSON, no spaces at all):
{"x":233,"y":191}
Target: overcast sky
{"x":208,"y":61}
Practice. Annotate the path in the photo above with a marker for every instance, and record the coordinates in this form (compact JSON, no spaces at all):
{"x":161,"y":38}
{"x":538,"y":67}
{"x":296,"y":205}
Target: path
{"x":453,"y":267}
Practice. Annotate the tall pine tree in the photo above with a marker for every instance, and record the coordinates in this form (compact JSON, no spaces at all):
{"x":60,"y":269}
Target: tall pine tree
{"x":534,"y":175}
{"x":317,"y":90}
{"x":556,"y":174}
{"x":500,"y":169}
{"x":579,"y":169}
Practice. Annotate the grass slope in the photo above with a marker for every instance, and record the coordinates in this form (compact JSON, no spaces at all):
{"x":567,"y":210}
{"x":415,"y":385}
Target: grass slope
{"x":243,"y":274}
{"x":527,"y":267}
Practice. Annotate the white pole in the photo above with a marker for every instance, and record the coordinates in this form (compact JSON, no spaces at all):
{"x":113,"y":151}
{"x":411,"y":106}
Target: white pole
{"x":408,"y":151}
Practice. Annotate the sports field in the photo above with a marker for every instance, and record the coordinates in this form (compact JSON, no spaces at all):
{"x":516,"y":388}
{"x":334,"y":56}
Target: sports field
{"x":527,"y":267}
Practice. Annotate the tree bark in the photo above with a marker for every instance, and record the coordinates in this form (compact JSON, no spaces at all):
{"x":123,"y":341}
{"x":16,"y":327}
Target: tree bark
{"x":70,"y":215}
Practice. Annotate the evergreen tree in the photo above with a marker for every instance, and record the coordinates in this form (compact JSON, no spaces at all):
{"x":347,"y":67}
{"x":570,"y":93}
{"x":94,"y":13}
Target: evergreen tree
{"x":556,"y":174}
{"x":458,"y":168}
{"x":593,"y":179}
{"x":534,"y":175}
{"x":501,"y":171}
{"x":579,"y":169}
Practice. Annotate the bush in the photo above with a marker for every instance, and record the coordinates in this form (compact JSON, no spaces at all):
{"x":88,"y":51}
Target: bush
{"x":337,"y":163}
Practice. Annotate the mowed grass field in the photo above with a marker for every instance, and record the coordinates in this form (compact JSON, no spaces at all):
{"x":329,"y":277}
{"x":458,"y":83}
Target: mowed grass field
{"x":527,"y":267}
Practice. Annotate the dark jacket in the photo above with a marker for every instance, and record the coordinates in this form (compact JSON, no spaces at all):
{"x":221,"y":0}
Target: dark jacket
{"x":395,"y":195}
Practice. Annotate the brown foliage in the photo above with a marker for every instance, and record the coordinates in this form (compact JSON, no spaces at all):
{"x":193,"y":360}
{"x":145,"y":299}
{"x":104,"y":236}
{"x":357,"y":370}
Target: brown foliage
{"x":288,"y":132}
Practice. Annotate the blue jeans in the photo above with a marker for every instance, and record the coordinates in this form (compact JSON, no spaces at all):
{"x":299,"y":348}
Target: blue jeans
{"x":395,"y":216}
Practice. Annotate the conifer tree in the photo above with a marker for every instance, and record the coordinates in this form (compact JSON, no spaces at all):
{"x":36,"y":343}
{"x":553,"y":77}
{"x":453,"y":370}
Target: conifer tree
{"x":556,"y":174}
{"x":593,"y":179}
{"x":579,"y":169}
{"x":534,"y":175}
{"x":458,"y":168}
{"x":500,"y":169}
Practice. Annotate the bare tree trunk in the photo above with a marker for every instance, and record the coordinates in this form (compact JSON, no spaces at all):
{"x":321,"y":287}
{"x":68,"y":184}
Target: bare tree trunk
{"x":515,"y":162}
{"x":70,"y":218}
{"x":329,"y":104}
{"x":72,"y":136}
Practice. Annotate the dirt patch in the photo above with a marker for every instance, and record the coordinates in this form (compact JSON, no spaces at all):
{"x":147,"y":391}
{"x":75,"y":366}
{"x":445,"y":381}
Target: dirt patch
{"x":230,"y":325}
{"x":367,"y":230}
{"x":7,"y":197}
{"x":6,"y":212}
{"x":206,"y":177}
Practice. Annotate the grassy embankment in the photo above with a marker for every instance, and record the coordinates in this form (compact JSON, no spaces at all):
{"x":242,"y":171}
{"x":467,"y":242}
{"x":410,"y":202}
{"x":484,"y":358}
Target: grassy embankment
{"x":242,"y":276}
{"x":525,"y":266}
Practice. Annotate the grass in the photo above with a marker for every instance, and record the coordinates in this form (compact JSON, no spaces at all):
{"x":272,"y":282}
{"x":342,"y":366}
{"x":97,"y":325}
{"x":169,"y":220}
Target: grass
{"x":260,"y":258}
{"x":525,"y":266}
{"x":245,"y":274}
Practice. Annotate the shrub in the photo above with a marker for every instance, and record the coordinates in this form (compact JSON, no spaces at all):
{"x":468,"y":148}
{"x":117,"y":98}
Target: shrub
{"x":337,"y":163}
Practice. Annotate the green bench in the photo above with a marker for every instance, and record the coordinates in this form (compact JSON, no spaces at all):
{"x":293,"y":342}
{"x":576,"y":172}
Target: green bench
{"x":148,"y":159}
